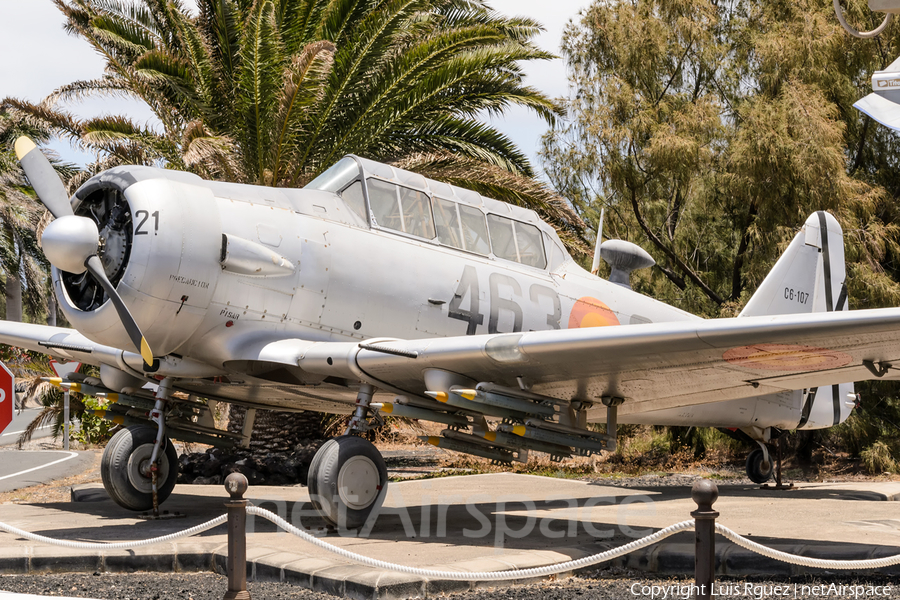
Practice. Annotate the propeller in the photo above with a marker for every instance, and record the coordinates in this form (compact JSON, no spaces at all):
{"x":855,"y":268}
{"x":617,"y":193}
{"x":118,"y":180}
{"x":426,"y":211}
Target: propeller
{"x":71,"y":242}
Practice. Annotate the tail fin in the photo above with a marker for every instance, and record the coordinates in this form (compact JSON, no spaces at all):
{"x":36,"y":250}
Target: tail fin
{"x":809,"y":276}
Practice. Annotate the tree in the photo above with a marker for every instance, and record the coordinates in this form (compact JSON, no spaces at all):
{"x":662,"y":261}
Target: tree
{"x":272,"y":92}
{"x":23,"y":264}
{"x":711,"y":130}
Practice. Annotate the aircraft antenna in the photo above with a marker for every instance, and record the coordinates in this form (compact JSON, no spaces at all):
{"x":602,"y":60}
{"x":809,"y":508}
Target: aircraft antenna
{"x":595,"y":266}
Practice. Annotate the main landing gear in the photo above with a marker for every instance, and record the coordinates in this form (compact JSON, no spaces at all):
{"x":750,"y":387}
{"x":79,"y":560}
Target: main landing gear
{"x":348,"y":476}
{"x":126,"y":468}
{"x":139,"y":464}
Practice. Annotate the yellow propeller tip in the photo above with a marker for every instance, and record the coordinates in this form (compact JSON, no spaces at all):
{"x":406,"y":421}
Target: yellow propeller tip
{"x":146,"y":353}
{"x":54,"y":381}
{"x":24,"y":145}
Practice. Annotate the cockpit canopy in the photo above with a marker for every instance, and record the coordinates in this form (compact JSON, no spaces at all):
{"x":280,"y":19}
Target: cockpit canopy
{"x":388,"y":198}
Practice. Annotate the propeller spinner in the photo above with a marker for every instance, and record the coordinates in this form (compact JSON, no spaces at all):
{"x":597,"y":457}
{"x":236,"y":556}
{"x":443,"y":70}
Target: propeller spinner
{"x":71,"y":242}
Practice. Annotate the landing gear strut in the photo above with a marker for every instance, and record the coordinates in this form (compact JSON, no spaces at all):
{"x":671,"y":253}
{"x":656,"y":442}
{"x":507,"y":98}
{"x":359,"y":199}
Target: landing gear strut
{"x":139,"y":464}
{"x":348,"y":476}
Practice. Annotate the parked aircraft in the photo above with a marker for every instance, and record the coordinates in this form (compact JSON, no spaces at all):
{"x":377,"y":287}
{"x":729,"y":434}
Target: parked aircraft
{"x":376,"y":291}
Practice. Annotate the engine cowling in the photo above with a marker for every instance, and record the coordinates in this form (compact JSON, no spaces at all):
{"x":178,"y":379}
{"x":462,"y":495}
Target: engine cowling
{"x":160,"y":245}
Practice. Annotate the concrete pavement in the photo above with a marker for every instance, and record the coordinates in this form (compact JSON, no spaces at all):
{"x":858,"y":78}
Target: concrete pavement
{"x":470,"y":523}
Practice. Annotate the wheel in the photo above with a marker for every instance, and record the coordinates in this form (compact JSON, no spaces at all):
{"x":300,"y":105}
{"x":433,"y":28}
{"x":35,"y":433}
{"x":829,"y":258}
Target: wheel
{"x":757,"y":471}
{"x":347,"y":481}
{"x":124,"y":468}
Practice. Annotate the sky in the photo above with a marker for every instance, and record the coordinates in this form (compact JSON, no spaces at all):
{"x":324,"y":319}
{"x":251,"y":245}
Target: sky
{"x":40,"y":57}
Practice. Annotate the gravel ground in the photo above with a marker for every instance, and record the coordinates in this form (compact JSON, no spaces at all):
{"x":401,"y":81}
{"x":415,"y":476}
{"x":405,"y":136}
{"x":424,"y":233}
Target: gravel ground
{"x":602,"y":585}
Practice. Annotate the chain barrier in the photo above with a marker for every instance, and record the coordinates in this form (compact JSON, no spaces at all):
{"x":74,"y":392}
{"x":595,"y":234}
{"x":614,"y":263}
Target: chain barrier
{"x":806,"y":561}
{"x":704,"y":494}
{"x":476,"y":576}
{"x":115,"y":545}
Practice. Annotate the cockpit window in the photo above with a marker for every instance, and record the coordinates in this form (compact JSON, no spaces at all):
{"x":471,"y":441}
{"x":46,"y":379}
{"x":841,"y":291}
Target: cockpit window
{"x":401,"y":208}
{"x":503,"y":238}
{"x":461,"y":226}
{"x":475,"y":233}
{"x":514,"y":240}
{"x":531,"y":248}
{"x":336,"y":177}
{"x":416,"y":208}
{"x":447,"y":222}
{"x":353,"y":197}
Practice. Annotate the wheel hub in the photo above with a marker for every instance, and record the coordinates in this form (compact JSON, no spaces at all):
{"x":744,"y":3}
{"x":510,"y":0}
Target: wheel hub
{"x":358,"y":482}
{"x":139,"y":468}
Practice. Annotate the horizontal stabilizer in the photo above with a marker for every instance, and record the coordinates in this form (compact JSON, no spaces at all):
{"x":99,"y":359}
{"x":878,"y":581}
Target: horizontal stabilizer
{"x":881,"y":109}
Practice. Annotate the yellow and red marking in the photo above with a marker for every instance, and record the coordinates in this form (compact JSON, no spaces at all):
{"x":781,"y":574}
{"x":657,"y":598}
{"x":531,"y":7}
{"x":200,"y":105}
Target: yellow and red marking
{"x":590,"y":312}
{"x":786,"y":357}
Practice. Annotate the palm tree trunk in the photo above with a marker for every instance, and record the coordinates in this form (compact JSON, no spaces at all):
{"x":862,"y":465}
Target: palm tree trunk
{"x":51,"y":308}
{"x":275,"y":431}
{"x":13,"y":297}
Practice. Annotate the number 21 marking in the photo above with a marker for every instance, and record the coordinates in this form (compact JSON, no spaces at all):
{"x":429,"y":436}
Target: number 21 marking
{"x":143,"y":215}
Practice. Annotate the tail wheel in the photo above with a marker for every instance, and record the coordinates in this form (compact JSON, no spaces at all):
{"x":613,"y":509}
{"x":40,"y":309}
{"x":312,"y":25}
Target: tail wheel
{"x":125,"y":468}
{"x":757,"y":469}
{"x":347,"y":481}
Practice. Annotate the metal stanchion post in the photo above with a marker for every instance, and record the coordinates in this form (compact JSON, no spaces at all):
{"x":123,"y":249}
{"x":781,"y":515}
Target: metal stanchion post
{"x":66,"y":420}
{"x":236,"y":484}
{"x":704,"y":493}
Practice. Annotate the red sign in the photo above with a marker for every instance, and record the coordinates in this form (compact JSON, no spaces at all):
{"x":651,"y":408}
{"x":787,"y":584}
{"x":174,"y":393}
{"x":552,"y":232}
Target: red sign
{"x":7,"y":396}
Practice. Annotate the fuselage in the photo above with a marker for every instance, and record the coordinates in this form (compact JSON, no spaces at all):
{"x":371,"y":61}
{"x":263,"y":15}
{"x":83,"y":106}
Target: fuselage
{"x":210,"y":268}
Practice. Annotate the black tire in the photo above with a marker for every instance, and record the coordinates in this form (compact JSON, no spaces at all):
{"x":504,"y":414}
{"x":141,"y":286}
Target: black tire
{"x":347,"y":481}
{"x":121,"y":473}
{"x":755,"y":468}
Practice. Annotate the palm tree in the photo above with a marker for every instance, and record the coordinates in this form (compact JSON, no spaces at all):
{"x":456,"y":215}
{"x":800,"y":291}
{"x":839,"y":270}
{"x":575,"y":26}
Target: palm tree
{"x":23,"y":264}
{"x":272,"y":92}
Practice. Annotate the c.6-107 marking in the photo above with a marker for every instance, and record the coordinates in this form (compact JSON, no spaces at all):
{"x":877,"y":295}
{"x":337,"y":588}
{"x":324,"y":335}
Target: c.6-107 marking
{"x":796,"y":295}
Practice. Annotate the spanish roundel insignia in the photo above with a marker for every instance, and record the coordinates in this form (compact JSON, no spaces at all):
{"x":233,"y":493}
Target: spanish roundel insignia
{"x":786,"y":357}
{"x":590,"y":312}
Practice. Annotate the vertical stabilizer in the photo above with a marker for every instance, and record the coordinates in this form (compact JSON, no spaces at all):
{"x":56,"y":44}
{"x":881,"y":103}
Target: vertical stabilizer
{"x":809,"y":276}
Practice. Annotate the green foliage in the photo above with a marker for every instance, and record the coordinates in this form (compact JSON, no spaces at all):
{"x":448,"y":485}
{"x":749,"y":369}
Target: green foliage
{"x":272,"y":92}
{"x":711,"y":130}
{"x":877,"y":459}
{"x":92,"y":429}
{"x":24,"y":268}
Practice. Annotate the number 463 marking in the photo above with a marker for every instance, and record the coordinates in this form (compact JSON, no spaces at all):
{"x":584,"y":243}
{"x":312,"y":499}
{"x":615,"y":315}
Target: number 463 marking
{"x":468,"y":286}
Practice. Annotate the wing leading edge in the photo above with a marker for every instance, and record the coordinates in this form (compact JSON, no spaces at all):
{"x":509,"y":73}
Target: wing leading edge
{"x":651,"y":366}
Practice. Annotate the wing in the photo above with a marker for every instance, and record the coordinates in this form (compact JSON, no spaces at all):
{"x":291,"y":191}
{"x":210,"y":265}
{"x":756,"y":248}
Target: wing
{"x":253,"y":383}
{"x":651,"y":366}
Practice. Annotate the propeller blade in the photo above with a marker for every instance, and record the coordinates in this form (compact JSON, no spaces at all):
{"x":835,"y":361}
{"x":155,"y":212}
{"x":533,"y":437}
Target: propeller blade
{"x":94,"y":265}
{"x":43,"y":178}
